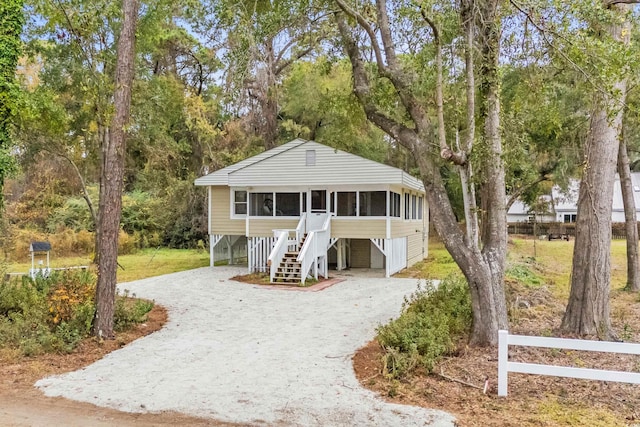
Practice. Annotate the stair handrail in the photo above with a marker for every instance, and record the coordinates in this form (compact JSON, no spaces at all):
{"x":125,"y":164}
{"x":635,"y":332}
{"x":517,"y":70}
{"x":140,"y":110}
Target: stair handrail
{"x":301,"y":227}
{"x":315,"y":246}
{"x":277,"y":253}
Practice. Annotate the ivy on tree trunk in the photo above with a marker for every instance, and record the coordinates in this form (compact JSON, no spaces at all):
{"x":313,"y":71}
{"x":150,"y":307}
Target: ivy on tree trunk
{"x":11,"y":22}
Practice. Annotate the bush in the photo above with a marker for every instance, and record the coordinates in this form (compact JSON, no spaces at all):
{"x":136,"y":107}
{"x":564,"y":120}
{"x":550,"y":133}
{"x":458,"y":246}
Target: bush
{"x":54,"y":314}
{"x":130,"y":311}
{"x":432,"y":321}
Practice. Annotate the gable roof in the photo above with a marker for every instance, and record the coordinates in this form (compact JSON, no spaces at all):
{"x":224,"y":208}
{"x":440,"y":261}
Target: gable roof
{"x":287,"y":165}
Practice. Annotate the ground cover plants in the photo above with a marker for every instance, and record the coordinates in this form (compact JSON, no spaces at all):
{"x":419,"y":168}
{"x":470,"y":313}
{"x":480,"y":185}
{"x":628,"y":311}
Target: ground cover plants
{"x":54,"y":313}
{"x":537,"y":284}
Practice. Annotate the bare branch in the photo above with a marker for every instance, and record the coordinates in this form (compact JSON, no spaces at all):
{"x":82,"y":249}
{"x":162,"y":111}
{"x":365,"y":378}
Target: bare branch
{"x":446,"y":152}
{"x":365,"y":25}
{"x":406,"y":136}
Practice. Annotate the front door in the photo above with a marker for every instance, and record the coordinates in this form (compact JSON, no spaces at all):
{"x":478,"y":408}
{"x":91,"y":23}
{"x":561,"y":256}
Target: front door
{"x":318,"y":211}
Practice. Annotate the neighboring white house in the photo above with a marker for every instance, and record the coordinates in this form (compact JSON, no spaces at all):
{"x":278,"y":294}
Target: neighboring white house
{"x":300,"y":207}
{"x":563,"y":206}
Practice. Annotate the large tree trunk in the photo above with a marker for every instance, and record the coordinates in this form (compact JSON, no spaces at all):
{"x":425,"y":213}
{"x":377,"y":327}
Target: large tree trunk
{"x":492,"y":187}
{"x":588,"y":307}
{"x":631,"y":222}
{"x":483,"y":268}
{"x":112,"y":174}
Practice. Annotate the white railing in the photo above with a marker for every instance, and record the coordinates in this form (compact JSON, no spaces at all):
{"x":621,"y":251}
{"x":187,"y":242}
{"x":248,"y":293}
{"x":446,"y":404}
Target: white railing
{"x":258,"y":253}
{"x":301,"y":227}
{"x":314,"y":251}
{"x":277,"y":253}
{"x":504,"y":366}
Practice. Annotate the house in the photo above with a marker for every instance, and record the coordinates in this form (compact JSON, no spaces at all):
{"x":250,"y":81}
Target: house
{"x":521,"y":212}
{"x":302,"y":207}
{"x":564,"y":203}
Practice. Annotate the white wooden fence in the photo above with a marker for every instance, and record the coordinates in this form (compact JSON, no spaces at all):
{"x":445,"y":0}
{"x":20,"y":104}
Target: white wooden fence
{"x":504,"y":366}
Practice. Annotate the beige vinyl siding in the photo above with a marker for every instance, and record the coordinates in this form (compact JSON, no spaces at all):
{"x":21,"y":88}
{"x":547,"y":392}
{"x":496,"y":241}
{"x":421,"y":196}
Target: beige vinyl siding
{"x":264,"y":227}
{"x":414,"y":249}
{"x":221,"y":222}
{"x":358,"y":228}
{"x":401,"y":228}
{"x":332,"y":167}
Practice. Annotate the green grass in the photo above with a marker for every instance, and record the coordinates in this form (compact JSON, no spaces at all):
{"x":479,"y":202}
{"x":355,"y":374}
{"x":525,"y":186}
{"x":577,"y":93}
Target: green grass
{"x":142,"y":264}
{"x":438,"y":264}
{"x":554,"y":259}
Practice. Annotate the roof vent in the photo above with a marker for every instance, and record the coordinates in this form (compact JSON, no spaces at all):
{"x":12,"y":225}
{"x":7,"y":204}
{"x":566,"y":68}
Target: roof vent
{"x":311,"y":157}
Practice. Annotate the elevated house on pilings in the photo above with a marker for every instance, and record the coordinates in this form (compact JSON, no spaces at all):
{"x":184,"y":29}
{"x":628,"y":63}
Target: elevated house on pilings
{"x":303,"y":207}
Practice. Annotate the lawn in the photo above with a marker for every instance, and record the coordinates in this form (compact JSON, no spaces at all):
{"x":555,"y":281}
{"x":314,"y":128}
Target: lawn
{"x":537,"y":281}
{"x":144,"y":263}
{"x":550,"y":260}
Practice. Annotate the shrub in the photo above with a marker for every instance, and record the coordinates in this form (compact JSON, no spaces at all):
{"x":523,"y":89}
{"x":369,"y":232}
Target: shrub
{"x":130,"y":311}
{"x":53,"y":314}
{"x":432,"y":321}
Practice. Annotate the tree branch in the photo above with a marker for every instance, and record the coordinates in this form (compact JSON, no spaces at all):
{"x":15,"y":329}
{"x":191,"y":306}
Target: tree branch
{"x":406,"y":136}
{"x":458,"y":158}
{"x":365,"y":25}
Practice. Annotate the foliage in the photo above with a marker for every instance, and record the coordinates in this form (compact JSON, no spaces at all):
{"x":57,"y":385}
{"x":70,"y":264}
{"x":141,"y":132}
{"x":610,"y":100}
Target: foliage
{"x":432,"y":321}
{"x":130,"y":311}
{"x":523,"y":274}
{"x":53,"y":314}
{"x":46,"y":315}
{"x":11,"y":22}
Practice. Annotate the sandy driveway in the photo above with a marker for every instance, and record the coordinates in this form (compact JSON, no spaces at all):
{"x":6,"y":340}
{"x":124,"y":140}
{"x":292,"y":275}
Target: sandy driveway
{"x":248,"y":354}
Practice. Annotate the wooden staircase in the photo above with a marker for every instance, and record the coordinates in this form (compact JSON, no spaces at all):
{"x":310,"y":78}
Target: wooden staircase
{"x":289,"y":270}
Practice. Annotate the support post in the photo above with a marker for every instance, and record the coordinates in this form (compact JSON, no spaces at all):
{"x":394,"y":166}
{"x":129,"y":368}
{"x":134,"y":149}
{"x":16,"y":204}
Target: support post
{"x":211,"y":250}
{"x":503,"y":360}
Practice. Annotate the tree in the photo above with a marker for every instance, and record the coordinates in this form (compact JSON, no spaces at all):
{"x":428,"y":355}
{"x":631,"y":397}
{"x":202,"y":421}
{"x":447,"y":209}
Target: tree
{"x":409,"y":124}
{"x":631,"y":222}
{"x":264,"y":38}
{"x":11,"y":22}
{"x":112,"y":174}
{"x":587,"y":311}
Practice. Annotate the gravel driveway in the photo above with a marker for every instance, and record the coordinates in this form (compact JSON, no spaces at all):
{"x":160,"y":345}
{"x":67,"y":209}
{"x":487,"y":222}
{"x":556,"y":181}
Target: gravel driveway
{"x":252,"y":355}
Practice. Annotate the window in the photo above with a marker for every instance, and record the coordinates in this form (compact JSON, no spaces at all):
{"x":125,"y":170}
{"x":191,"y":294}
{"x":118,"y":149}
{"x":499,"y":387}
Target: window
{"x":287,"y":204}
{"x":568,"y":218}
{"x":261,"y":204}
{"x":373,"y":203}
{"x":395,"y":205}
{"x":346,"y":204}
{"x":414,"y":207}
{"x":239,"y":202}
{"x":407,"y":211}
{"x":420,"y":206}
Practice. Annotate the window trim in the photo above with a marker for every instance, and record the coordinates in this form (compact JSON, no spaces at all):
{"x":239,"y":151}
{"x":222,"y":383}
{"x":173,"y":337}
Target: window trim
{"x":232,"y":202}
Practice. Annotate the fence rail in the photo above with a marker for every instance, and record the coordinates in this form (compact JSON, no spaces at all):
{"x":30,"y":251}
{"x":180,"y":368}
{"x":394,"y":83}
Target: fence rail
{"x":504,"y":366}
{"x":618,"y":231}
